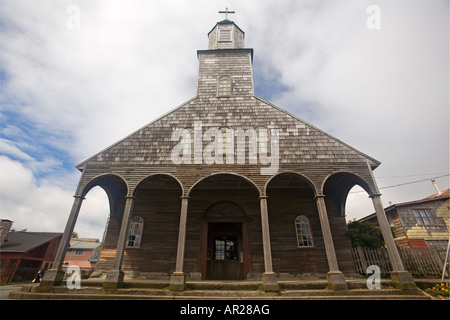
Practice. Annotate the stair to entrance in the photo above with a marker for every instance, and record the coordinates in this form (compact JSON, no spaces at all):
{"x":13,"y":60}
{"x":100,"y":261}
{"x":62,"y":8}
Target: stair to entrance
{"x":222,"y":290}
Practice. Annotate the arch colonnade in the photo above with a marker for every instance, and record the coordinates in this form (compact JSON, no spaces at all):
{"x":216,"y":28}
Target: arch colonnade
{"x":121,"y":194}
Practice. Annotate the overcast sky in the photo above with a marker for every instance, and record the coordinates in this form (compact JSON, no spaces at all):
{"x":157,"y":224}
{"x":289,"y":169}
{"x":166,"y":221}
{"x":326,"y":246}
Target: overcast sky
{"x":76,"y":76}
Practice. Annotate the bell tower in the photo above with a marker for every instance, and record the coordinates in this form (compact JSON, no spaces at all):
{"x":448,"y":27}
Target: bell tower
{"x":225,"y":69}
{"x":226,"y":35}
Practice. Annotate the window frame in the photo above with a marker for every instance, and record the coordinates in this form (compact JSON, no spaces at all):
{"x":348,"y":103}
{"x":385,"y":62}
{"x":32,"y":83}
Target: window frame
{"x":309,"y":235}
{"x":420,"y":218}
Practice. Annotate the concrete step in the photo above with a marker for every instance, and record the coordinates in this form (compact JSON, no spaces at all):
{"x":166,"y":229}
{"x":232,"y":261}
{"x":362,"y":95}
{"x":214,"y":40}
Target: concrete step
{"x":209,"y":296}
{"x":196,"y":294}
{"x":209,"y":290}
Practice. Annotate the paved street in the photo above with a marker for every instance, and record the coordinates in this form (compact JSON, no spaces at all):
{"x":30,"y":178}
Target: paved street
{"x":5,"y":290}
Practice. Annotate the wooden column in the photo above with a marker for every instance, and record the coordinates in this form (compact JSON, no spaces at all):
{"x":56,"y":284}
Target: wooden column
{"x":336,"y":279}
{"x":114,"y":277}
{"x":178,"y":278}
{"x":55,"y":275}
{"x":401,"y":278}
{"x":326,"y":233}
{"x":394,"y":256}
{"x":270,"y":282}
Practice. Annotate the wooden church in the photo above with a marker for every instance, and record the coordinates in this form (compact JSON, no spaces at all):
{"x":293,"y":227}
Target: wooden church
{"x":227,"y":186}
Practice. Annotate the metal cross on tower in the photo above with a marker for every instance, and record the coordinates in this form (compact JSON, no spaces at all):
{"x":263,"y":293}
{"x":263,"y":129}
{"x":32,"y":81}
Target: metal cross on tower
{"x":226,"y":13}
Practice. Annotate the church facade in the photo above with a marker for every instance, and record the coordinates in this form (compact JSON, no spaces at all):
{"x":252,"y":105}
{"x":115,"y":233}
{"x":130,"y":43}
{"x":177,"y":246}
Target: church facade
{"x":227,"y":186}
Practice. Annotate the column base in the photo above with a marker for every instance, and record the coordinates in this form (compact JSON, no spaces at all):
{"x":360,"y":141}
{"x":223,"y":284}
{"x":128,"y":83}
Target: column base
{"x":336,"y":281}
{"x":52,"y":277}
{"x":270,"y":282}
{"x":403,"y":280}
{"x":177,"y":282}
{"x":114,"y":279}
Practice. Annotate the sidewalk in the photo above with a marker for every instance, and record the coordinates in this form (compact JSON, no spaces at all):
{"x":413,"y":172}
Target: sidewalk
{"x":5,"y":290}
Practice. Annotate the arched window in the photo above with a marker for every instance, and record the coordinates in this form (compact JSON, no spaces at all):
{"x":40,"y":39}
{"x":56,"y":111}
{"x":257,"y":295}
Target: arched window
{"x":135,"y":232}
{"x":304,"y":236}
{"x":224,"y":88}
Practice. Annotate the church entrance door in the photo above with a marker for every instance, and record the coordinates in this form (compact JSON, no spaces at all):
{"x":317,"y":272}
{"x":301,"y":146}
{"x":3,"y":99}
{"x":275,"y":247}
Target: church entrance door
{"x":225,"y":251}
{"x":224,"y":247}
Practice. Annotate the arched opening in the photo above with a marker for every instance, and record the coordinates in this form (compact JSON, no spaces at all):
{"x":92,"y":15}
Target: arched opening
{"x":338,"y":185}
{"x":90,"y":230}
{"x":94,"y":214}
{"x":336,"y":189}
{"x":101,"y":212}
{"x":152,"y":234}
{"x":358,"y":204}
{"x":223,"y":208}
{"x":295,"y":230}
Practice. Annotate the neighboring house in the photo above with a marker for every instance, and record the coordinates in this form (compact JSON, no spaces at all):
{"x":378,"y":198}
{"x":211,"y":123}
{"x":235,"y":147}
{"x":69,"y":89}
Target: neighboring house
{"x":421,"y":223}
{"x":83,"y":253}
{"x":23,"y":254}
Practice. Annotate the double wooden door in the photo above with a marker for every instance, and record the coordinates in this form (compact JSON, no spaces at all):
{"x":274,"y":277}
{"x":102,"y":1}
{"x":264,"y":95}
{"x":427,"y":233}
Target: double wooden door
{"x":225,"y":251}
{"x":225,"y":257}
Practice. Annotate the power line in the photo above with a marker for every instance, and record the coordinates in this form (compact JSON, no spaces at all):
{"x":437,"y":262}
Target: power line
{"x":405,"y":183}
{"x":411,"y":175}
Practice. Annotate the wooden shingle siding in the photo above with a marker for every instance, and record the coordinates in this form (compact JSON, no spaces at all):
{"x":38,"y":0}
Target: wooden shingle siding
{"x":300,"y":143}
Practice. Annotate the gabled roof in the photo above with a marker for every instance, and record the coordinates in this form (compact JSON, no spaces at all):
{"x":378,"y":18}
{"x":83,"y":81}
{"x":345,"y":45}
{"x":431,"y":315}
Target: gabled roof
{"x":300,"y":142}
{"x":26,"y":241}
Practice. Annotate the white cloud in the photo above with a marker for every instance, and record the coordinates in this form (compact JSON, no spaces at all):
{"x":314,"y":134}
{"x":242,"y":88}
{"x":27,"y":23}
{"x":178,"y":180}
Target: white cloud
{"x":9,"y":148}
{"x":30,"y":205}
{"x":44,"y":206}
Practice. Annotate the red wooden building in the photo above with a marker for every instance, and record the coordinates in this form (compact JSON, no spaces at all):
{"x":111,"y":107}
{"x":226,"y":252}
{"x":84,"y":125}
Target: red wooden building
{"x":23,"y":254}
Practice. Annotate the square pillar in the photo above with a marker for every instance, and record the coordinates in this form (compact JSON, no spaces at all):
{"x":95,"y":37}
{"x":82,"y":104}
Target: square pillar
{"x":270,"y":282}
{"x":177,"y":282}
{"x":114,"y":279}
{"x":403,"y":280}
{"x":336,"y":281}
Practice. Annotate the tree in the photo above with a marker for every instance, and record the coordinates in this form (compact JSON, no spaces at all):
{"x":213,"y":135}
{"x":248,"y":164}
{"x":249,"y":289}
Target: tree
{"x":74,"y":234}
{"x":365,"y":234}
